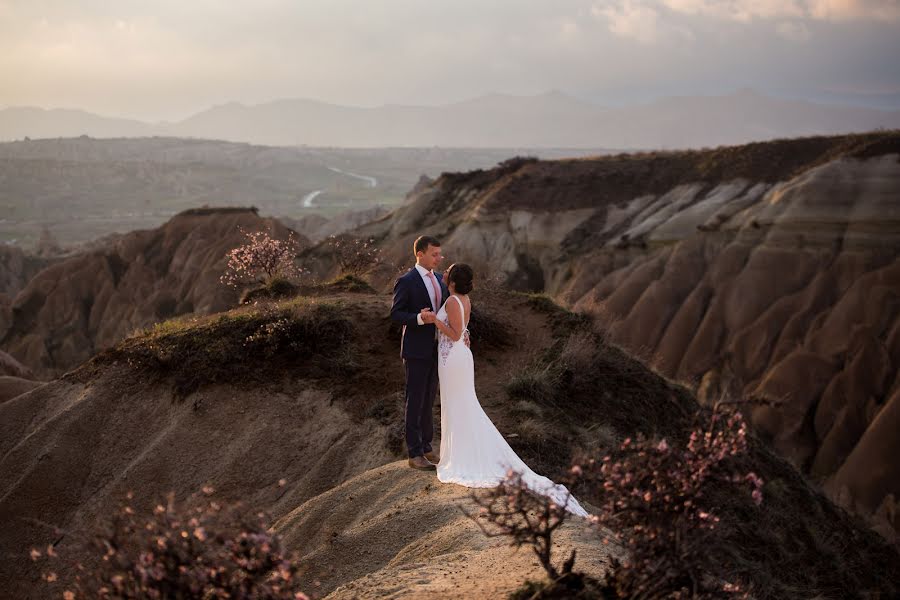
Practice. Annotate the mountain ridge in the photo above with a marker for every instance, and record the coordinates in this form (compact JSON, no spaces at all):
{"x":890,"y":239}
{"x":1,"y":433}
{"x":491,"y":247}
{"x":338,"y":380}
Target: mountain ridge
{"x":551,"y":119}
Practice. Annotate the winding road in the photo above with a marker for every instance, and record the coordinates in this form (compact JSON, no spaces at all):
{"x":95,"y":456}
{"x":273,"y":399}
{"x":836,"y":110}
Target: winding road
{"x":308,"y":199}
{"x":370,"y":180}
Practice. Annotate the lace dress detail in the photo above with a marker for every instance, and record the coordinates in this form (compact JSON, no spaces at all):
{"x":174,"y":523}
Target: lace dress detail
{"x":473,"y":452}
{"x":445,"y":344}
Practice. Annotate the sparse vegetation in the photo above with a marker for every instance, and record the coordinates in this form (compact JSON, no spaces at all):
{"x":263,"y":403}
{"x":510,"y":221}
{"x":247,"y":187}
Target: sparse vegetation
{"x":577,"y":183}
{"x":347,"y":283}
{"x":511,"y":165}
{"x":576,"y":378}
{"x":487,"y":329}
{"x":563,"y":322}
{"x":242,"y":347}
{"x":654,"y":499}
{"x":513,"y":511}
{"x":653,"y":502}
{"x":199,"y":549}
{"x":354,"y":256}
{"x":274,"y":288}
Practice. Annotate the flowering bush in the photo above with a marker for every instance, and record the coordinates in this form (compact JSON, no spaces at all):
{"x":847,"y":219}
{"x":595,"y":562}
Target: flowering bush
{"x":262,"y":260}
{"x":654,"y":499}
{"x":201,"y":550}
{"x":512,"y":509}
{"x":353,"y":255}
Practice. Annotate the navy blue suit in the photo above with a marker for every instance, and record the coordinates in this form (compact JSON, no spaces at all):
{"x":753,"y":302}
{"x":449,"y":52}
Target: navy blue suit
{"x":418,"y":348}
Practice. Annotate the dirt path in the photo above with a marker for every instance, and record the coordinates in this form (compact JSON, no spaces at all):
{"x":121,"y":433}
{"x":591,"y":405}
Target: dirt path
{"x":394,"y":532}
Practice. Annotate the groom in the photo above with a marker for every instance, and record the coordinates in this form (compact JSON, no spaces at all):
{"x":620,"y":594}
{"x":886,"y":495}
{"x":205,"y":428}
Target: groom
{"x":418,"y":295}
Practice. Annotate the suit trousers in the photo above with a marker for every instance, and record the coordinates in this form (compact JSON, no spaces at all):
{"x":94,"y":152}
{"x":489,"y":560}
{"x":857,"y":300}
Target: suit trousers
{"x":421,"y":389}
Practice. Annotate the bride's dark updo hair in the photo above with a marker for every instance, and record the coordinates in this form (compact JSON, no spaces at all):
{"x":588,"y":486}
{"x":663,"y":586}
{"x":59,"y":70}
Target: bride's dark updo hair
{"x":460,"y":274}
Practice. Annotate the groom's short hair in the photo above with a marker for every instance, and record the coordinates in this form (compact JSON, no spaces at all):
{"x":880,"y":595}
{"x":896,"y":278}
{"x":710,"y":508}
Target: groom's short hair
{"x":423,"y":241}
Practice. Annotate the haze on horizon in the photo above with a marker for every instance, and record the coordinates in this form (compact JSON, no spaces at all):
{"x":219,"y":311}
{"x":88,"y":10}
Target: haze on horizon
{"x":167,"y":60}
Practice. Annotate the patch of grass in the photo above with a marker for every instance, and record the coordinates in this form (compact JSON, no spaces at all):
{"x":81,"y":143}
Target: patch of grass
{"x":244,"y":347}
{"x":487,"y":329}
{"x":590,"y":395}
{"x":277,"y":287}
{"x":347,"y":283}
{"x":563,"y":321}
{"x":583,"y":380}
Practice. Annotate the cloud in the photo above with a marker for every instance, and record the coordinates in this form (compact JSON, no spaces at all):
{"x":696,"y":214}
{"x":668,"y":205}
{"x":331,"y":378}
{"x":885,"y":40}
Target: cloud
{"x":825,"y":10}
{"x":638,"y":21}
{"x":630,"y":20}
{"x":738,"y":10}
{"x":846,"y":10}
{"x":793,"y":31}
{"x":170,"y":58}
{"x":650,"y":21}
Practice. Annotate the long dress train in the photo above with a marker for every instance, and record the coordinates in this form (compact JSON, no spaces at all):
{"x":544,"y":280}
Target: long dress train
{"x":473,"y":453}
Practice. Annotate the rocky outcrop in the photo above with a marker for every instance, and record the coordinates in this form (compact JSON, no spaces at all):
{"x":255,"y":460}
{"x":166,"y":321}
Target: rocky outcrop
{"x":17,"y":267}
{"x":9,"y":366}
{"x":318,"y":227}
{"x":788,"y":292}
{"x":76,"y":307}
{"x":768,"y":271}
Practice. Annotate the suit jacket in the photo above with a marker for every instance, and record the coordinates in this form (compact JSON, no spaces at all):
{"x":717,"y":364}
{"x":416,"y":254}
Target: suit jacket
{"x":410,"y":297}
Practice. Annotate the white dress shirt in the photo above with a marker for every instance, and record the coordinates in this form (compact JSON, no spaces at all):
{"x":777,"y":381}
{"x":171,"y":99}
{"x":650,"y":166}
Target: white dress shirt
{"x":430,"y":287}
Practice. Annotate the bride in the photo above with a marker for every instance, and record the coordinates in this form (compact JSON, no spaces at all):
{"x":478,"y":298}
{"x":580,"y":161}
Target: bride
{"x":473,"y":453}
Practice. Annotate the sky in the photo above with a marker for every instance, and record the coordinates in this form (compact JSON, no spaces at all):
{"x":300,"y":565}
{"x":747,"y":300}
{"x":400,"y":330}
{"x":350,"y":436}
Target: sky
{"x":168,"y":59}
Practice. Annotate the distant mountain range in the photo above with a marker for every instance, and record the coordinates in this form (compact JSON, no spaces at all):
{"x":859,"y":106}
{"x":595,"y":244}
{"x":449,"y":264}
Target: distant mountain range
{"x":552,"y":119}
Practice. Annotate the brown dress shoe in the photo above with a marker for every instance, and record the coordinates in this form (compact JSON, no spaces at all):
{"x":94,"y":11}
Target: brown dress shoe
{"x":432,"y":457}
{"x":419,"y":462}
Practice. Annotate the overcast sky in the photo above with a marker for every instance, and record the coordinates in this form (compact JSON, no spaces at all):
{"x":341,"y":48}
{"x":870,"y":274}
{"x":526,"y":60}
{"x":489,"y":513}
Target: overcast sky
{"x":167,"y":59}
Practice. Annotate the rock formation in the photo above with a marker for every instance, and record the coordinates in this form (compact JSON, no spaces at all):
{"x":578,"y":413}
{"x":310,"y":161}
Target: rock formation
{"x":317,"y":227}
{"x":72,"y":309}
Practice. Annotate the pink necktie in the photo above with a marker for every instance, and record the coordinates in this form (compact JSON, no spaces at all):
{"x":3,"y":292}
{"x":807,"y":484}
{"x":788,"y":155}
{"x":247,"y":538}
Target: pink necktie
{"x":437,"y":298}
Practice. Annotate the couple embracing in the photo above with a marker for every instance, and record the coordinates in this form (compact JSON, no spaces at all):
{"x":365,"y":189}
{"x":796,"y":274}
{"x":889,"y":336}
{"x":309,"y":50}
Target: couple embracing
{"x":436,"y":355}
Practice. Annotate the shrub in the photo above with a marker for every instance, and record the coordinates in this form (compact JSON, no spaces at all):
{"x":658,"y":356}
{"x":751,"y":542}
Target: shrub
{"x":262,"y":260}
{"x":564,"y":369}
{"x":486,"y":328}
{"x":655,"y":500}
{"x":277,"y":287}
{"x":353,"y":284}
{"x":513,"y":510}
{"x":354,"y":256}
{"x":202,"y":549}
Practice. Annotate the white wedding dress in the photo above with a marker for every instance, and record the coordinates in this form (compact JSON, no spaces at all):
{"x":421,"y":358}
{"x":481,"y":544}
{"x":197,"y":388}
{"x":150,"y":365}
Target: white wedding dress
{"x":473,"y":453}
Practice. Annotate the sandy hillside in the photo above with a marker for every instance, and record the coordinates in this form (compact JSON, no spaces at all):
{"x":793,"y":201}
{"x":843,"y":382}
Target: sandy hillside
{"x":397,"y":533}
